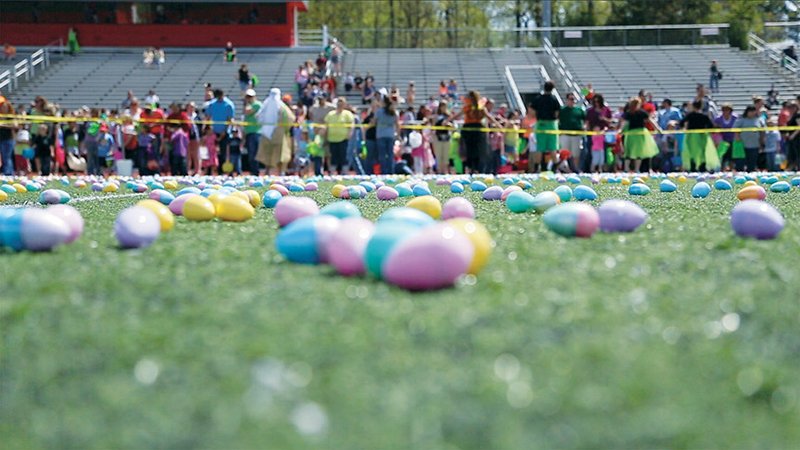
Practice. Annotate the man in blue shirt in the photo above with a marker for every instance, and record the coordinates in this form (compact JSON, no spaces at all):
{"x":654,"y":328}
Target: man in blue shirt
{"x":221,"y":110}
{"x":668,"y":113}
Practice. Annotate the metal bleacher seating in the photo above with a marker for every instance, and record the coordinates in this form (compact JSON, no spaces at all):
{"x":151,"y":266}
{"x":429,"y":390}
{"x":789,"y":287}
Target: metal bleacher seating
{"x":674,"y":72}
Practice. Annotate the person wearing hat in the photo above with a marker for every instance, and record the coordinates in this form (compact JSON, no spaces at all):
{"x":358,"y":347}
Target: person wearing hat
{"x":252,"y":129}
{"x":6,"y":139}
{"x":274,"y":147}
{"x":726,"y":120}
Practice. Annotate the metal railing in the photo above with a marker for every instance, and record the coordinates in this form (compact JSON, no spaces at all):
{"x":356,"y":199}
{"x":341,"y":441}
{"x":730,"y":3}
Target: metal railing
{"x":623,"y":35}
{"x":770,"y":53}
{"x":39,"y":60}
{"x":560,"y":66}
{"x":512,"y":93}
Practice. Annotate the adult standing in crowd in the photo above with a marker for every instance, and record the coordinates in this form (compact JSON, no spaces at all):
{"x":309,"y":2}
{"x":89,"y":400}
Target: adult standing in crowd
{"x":639,"y":143}
{"x":753,"y":141}
{"x":6,"y":138}
{"x":339,"y":129}
{"x":274,"y":147}
{"x":572,"y":118}
{"x":472,"y":134}
{"x":726,"y":120}
{"x":221,"y":110}
{"x":441,"y":140}
{"x":193,"y":152}
{"x":546,"y":108}
{"x":387,"y":126}
{"x":698,"y":148}
{"x":793,"y":140}
{"x":370,"y":138}
{"x":714,"y":76}
{"x":251,"y":129}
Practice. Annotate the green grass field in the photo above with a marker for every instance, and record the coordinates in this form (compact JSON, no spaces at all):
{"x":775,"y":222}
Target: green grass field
{"x":679,"y":335}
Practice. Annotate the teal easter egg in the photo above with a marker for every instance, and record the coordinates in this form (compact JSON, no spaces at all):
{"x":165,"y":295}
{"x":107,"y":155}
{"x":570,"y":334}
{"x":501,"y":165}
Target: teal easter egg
{"x":722,"y":185}
{"x":384,"y":239}
{"x":667,"y":186}
{"x":701,"y":190}
{"x":574,"y":179}
{"x":545,"y":200}
{"x":369,"y":186}
{"x":421,"y":189}
{"x":342,"y":210}
{"x":297,"y":242}
{"x":456,"y":188}
{"x":564,"y":192}
{"x":8,"y":189}
{"x":271,"y":198}
{"x":519,"y":202}
{"x":406,"y":214}
{"x":796,"y":181}
{"x":740,"y":179}
{"x":294,"y":187}
{"x":582,"y":193}
{"x":11,"y":228}
{"x":478,"y":186}
{"x":404,"y":190}
{"x":780,"y":186}
{"x":572,"y":220}
{"x":639,"y":189}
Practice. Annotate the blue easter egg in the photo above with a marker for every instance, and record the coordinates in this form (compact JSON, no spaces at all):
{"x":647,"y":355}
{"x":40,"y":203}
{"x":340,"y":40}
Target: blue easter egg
{"x":525,"y":185}
{"x":456,"y":188}
{"x":28,"y":153}
{"x":639,"y":189}
{"x":701,"y":190}
{"x":508,"y":181}
{"x":11,"y":228}
{"x":271,"y":198}
{"x":722,"y":185}
{"x":294,"y":187}
{"x":584,"y":193}
{"x":667,"y":186}
{"x":207,"y":192}
{"x":478,"y":186}
{"x":368,"y":186}
{"x":780,"y":186}
{"x":564,"y":193}
{"x":405,"y":214}
{"x":796,"y":181}
{"x":341,"y":210}
{"x":385,"y":238}
{"x":404,"y":190}
{"x":186,"y":190}
{"x":421,"y":189}
{"x":297,"y":241}
{"x":519,"y":202}
{"x":574,"y":179}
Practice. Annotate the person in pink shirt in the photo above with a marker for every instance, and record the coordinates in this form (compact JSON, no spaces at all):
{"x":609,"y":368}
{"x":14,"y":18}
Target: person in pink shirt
{"x":210,"y":141}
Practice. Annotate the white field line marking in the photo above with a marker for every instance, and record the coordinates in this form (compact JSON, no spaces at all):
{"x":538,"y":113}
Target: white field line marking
{"x":78,"y":200}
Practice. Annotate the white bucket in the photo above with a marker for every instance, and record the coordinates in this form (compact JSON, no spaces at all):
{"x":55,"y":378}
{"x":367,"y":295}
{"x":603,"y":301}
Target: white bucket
{"x":124,"y":167}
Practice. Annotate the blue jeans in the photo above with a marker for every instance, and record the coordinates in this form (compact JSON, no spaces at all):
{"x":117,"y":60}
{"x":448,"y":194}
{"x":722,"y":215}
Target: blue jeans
{"x":386,"y":155}
{"x":713,"y":83}
{"x":372,"y":157}
{"x":317,"y":160}
{"x":251,"y":144}
{"x":7,"y":156}
{"x":771,"y":161}
{"x":236,"y":160}
{"x":92,"y":159}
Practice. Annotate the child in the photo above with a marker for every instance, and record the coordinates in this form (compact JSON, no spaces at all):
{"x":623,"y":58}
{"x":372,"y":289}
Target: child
{"x":21,"y":163}
{"x":301,"y":155}
{"x":146,"y":155}
{"x":235,"y":149}
{"x":511,"y":138}
{"x":349,"y":81}
{"x":210,"y":141}
{"x":772,"y":143}
{"x":598,"y":150}
{"x":45,"y":151}
{"x":316,"y":152}
{"x":179,"y":141}
{"x":417,"y":151}
{"x":669,"y":148}
{"x":105,"y":152}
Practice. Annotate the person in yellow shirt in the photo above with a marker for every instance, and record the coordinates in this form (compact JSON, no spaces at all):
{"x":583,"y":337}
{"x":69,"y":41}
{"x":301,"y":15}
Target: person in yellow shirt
{"x":339,"y":129}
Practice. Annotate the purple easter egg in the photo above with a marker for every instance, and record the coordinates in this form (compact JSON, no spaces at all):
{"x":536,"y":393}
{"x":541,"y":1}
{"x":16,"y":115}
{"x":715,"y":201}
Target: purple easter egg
{"x":346,"y":247}
{"x":620,"y":216}
{"x":493,"y":193}
{"x":176,"y":206}
{"x":50,"y":197}
{"x":432,"y":259}
{"x":756,"y":219}
{"x":458,"y":207}
{"x":310,"y":187}
{"x":97,"y":187}
{"x":292,"y":208}
{"x":42,"y":231}
{"x":71,"y":217}
{"x":386,"y":193}
{"x":136,"y":227}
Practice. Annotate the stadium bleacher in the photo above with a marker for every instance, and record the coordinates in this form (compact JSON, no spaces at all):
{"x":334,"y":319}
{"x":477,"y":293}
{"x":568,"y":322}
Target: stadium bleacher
{"x":673,"y":72}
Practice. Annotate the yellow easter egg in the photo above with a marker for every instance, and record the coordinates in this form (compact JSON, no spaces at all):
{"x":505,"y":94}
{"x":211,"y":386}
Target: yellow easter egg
{"x":682,"y":179}
{"x":110,"y":187}
{"x":19,"y":187}
{"x":480,"y":238}
{"x":254,"y":197}
{"x":161,"y":211}
{"x":750,"y":183}
{"x":234,"y":209}
{"x":625,"y":182}
{"x":603,"y":180}
{"x":337,"y":189}
{"x":241,"y":195}
{"x":171,"y":185}
{"x":216,"y":197}
{"x":3,"y":196}
{"x":428,"y":204}
{"x":198,"y":209}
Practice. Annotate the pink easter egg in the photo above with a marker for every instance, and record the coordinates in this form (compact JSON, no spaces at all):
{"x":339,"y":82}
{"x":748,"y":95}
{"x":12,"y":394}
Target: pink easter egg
{"x":280,"y":188}
{"x":176,"y":206}
{"x":292,"y":208}
{"x":458,"y":207}
{"x":325,"y":227}
{"x":386,"y":193}
{"x":71,"y":217}
{"x":509,"y":190}
{"x":432,"y":259}
{"x":346,"y":247}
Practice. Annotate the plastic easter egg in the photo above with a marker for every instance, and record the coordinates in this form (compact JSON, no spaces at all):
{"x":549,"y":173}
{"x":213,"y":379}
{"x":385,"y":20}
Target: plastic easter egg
{"x":456,"y":188}
{"x":564,"y":193}
{"x":8,"y":189}
{"x":240,"y":194}
{"x":71,"y":217}
{"x":682,"y":179}
{"x":572,"y":220}
{"x":110,"y":187}
{"x":176,"y":206}
{"x":520,"y":202}
{"x":574,"y":179}
{"x":750,"y":183}
{"x":31,"y":229}
{"x":280,"y":188}
{"x":165,"y":216}
{"x":433,"y":259}
{"x":756,"y":219}
{"x":481,"y":241}
{"x":740,"y":180}
{"x":620,"y":216}
{"x":216,"y":198}
{"x":234,"y":209}
{"x":458,"y":207}
{"x":796,"y":181}
{"x":478,"y":186}
{"x":188,"y":190}
{"x":11,"y":228}
{"x":137,"y":227}
{"x":386,"y":236}
{"x":53,"y":197}
{"x":525,"y":185}
{"x":492,"y":193}
{"x":311,"y":187}
{"x":404,"y":190}
{"x":253,"y":197}
{"x":638,"y":189}
{"x":752,"y":192}
{"x":346,"y":246}
{"x":780,"y":186}
{"x":295,"y":187}
{"x":198,"y":208}
{"x":386,"y":193}
{"x":701,"y":190}
{"x":19,"y":188}
{"x":428,"y":204}
{"x":625,"y":181}
{"x":722,"y":185}
{"x":171,"y":185}
{"x":3,"y":196}
{"x":369,"y":186}
{"x":162,"y":196}
{"x":208,"y":192}
{"x":545,"y":200}
{"x":297,"y":242}
{"x":341,"y":210}
{"x":337,"y":189}
{"x":405,"y":214}
{"x":32,"y":187}
{"x":271,"y":198}
{"x":421,"y":189}
{"x":292,"y":208}
{"x":667,"y":186}
{"x":354,"y":192}
{"x":80,"y":184}
{"x":582,"y":193}
{"x":508,"y":190}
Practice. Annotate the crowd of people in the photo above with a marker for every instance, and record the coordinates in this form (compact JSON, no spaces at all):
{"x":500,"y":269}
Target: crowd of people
{"x":319,"y":132}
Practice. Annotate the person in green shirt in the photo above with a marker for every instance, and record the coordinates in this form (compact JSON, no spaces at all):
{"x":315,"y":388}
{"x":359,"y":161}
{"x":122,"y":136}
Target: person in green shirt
{"x":72,"y":42}
{"x":572,"y":118}
{"x":339,"y":129}
{"x":252,"y":129}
